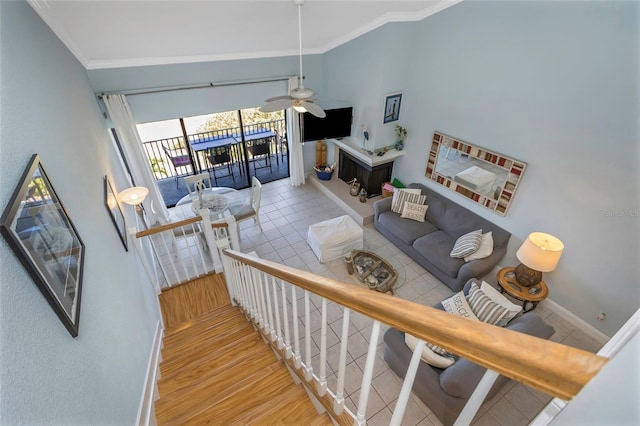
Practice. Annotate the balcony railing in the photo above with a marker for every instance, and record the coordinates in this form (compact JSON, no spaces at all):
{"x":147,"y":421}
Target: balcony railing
{"x":158,"y":152}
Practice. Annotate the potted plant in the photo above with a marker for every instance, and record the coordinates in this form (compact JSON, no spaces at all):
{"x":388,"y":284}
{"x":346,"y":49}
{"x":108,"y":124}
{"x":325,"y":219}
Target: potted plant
{"x":401,"y":135}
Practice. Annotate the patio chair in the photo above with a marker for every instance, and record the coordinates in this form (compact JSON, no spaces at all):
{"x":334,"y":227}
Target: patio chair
{"x":179,"y":158}
{"x":260,"y":149}
{"x":220,"y":156}
{"x":281,"y":141}
{"x":252,"y":210}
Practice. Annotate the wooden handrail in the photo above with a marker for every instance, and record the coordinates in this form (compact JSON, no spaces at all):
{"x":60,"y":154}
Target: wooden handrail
{"x":174,"y":225}
{"x":555,"y":369}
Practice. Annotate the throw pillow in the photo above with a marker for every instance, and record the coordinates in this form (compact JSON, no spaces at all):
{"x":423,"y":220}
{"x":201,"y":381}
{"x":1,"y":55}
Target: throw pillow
{"x":486,"y":309}
{"x":414,"y":211}
{"x":428,"y":356}
{"x":466,"y":244}
{"x":485,"y":249}
{"x":401,"y":196}
{"x":456,"y":305}
{"x":501,"y":300}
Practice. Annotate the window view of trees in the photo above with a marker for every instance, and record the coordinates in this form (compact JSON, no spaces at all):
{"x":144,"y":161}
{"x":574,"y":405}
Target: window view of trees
{"x":229,"y":119}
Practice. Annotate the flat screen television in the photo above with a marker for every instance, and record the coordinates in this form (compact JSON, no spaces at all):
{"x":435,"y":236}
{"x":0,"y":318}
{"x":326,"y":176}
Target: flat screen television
{"x":337,"y":124}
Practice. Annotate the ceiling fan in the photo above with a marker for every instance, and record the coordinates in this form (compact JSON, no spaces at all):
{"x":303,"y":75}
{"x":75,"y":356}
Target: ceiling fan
{"x":299,"y":98}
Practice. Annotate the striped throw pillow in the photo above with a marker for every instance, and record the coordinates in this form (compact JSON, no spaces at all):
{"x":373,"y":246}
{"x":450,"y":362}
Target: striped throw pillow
{"x":467,"y":244}
{"x":402,"y":196}
{"x":486,"y":309}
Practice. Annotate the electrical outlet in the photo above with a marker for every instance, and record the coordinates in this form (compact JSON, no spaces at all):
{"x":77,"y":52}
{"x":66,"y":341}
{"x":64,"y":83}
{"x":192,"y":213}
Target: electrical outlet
{"x":602,"y":316}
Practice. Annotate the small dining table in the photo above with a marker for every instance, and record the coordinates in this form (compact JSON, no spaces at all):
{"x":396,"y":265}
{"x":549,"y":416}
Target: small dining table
{"x":221,"y":202}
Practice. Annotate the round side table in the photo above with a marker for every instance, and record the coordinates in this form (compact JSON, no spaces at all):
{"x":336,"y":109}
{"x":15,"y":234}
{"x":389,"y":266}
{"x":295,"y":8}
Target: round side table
{"x":529,"y":296}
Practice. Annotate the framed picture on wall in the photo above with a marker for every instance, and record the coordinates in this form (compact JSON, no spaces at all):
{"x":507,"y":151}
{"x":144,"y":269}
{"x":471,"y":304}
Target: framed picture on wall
{"x":40,"y":233}
{"x":111,"y":202}
{"x":391,"y":108}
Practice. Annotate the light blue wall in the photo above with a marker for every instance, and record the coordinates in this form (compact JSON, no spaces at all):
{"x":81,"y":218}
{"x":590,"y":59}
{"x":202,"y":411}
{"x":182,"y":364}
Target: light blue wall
{"x":48,"y":107}
{"x":553,"y":84}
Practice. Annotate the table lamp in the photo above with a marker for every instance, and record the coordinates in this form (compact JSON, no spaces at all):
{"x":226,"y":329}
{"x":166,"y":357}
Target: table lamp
{"x":539,"y":253}
{"x":134,"y":196}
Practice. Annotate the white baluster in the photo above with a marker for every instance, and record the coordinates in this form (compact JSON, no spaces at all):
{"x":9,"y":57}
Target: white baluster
{"x":275,"y":332}
{"x":251,"y":291}
{"x":255,"y":280}
{"x":368,"y":374}
{"x":308,"y":370}
{"x":261,"y":281}
{"x":322,"y":380}
{"x":272,"y":326}
{"x":338,"y":404}
{"x":296,"y":332}
{"x":409,"y":377}
{"x":285,"y":318}
{"x":479,"y":394}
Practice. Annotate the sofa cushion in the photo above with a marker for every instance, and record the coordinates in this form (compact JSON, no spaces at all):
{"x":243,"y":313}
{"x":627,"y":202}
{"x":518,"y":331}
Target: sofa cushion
{"x":484,"y":250}
{"x":406,"y":230}
{"x":435,"y":247}
{"x":428,"y":355}
{"x":467,"y":244}
{"x":414,"y":211}
{"x":406,"y":195}
{"x":491,"y":306}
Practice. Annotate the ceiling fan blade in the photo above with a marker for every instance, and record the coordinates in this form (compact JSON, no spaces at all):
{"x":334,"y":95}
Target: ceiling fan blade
{"x":277,"y":105}
{"x":314,"y":109}
{"x":278,"y":98}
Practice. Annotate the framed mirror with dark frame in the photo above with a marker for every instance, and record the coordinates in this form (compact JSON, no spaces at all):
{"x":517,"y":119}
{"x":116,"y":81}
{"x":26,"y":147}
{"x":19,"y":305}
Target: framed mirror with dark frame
{"x":111,"y":203}
{"x":40,"y":233}
{"x":485,"y":177}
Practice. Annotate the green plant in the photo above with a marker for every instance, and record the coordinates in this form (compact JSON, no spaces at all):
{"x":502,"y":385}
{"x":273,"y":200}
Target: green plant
{"x":401,"y":132}
{"x":157,"y":166}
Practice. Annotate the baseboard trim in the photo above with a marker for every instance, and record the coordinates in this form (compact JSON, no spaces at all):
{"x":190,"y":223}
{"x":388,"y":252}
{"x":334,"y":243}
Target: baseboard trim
{"x":146,"y":411}
{"x":578,"y":322}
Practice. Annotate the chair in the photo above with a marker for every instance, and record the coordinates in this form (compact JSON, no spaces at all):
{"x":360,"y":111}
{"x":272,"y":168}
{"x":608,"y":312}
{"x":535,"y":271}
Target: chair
{"x":261,"y":149}
{"x":281,"y":141}
{"x":220,"y":155}
{"x":252,"y":210}
{"x":192,"y":182}
{"x":179,"y":158}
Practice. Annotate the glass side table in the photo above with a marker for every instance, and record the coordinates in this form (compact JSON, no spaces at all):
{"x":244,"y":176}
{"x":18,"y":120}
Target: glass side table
{"x":529,"y":296}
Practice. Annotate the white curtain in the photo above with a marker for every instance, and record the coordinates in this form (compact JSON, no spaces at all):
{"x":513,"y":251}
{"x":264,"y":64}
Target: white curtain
{"x":296,"y":163}
{"x":139,"y":166}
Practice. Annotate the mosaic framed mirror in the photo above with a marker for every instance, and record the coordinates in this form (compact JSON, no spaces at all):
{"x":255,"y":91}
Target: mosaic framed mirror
{"x":485,"y":177}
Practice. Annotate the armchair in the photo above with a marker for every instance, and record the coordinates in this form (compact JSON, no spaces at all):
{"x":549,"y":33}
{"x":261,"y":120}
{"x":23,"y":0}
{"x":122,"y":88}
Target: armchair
{"x":179,"y":158}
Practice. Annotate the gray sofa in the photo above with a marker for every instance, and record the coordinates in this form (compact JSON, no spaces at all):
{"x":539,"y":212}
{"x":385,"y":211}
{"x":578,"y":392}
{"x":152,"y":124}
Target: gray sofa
{"x":430,"y":242}
{"x":446,"y":391}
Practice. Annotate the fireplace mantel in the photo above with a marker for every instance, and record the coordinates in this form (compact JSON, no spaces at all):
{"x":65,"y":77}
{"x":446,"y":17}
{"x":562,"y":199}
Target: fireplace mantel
{"x":354,"y":148}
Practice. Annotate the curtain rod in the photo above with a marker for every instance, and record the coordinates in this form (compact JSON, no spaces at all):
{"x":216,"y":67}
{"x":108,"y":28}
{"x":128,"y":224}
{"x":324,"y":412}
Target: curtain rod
{"x":146,"y":91}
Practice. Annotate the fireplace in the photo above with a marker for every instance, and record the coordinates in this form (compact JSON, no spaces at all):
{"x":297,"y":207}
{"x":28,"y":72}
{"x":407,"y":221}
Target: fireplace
{"x":371,"y":178}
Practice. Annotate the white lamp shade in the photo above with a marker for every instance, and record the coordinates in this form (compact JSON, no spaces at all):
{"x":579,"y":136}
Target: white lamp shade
{"x":540,"y":252}
{"x":134,"y":195}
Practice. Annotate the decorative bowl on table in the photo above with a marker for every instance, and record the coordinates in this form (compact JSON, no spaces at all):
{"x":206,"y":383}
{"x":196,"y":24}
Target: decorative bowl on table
{"x":215,"y":203}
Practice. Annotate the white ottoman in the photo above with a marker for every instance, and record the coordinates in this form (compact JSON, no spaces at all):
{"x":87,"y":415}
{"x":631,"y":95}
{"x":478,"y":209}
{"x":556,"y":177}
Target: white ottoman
{"x":334,"y":237}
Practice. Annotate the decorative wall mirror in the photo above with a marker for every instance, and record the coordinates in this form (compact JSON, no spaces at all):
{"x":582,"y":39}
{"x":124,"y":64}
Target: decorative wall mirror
{"x":485,"y":177}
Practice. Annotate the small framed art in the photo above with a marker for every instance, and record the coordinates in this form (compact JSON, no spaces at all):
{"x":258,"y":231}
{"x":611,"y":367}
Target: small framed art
{"x":392,"y":104}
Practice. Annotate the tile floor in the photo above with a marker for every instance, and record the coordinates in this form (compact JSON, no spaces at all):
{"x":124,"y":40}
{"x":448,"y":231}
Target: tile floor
{"x":286,"y":213}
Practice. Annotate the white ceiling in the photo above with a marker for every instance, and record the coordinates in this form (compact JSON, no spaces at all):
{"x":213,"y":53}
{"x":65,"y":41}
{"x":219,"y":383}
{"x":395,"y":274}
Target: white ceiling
{"x":123,"y":33}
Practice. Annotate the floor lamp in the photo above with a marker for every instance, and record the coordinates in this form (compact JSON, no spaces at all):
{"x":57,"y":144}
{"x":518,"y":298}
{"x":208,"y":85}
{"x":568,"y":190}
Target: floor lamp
{"x":135,"y":196}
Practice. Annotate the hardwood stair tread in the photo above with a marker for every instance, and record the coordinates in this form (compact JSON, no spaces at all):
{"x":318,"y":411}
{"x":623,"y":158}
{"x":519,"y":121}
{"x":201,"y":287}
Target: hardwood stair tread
{"x":203,"y":407}
{"x":218,"y":368}
{"x":207,"y":330}
{"x":205,"y":343}
{"x":183,"y":329}
{"x":292,"y":406}
{"x":200,"y":393}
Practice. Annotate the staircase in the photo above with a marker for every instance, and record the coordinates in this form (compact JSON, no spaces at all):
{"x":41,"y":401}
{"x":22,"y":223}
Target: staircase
{"x":216,"y":369}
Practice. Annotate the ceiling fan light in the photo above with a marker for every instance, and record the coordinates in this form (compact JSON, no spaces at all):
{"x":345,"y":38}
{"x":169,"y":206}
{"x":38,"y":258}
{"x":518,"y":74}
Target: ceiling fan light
{"x":300,"y":108}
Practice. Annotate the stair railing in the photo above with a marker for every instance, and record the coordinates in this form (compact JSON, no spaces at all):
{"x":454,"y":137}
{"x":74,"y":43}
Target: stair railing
{"x":265,"y":290}
{"x":179,"y":252}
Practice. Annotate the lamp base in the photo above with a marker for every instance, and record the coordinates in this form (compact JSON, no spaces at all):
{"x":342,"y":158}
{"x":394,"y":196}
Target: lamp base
{"x":526,"y":276}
